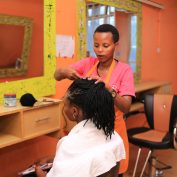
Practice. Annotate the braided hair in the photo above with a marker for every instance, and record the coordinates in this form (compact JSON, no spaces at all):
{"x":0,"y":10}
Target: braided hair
{"x":96,"y":103}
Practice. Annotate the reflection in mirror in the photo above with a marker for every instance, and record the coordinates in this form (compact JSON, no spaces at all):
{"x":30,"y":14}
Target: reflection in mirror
{"x":125,"y":15}
{"x":11,"y":38}
{"x":15,"y":44}
{"x":41,"y":63}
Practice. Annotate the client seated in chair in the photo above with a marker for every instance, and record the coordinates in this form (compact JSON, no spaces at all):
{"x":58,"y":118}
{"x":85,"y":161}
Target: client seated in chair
{"x":92,"y":148}
{"x":161,"y":114}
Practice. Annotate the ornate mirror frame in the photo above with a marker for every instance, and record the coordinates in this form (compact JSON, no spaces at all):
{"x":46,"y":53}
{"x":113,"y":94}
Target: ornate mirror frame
{"x":27,"y":24}
{"x":43,"y":85}
{"x":129,"y":5}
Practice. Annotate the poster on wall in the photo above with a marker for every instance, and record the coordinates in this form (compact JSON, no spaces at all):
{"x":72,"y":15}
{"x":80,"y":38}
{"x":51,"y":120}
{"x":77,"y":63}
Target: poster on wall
{"x":64,"y":46}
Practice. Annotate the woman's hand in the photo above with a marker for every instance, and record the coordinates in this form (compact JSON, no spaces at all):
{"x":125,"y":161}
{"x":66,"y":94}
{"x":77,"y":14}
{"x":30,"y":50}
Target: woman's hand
{"x":42,"y":161}
{"x":97,"y":78}
{"x":123,"y":103}
{"x":66,"y":73}
{"x":39,"y":171}
{"x":71,"y":74}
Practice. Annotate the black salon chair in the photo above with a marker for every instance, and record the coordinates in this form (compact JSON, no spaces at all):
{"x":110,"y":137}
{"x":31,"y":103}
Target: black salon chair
{"x":161,"y":115}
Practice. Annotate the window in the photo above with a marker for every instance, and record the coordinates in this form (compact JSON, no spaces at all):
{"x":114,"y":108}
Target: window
{"x":96,"y":15}
{"x":132,"y":55}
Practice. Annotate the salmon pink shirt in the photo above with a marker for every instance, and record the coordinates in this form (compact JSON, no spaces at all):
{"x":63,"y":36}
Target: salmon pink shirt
{"x":121,"y":78}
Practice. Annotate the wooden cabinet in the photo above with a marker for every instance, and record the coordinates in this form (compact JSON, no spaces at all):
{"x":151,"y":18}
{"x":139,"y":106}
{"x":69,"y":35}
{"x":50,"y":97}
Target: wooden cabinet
{"x":21,"y":123}
{"x":10,"y":129}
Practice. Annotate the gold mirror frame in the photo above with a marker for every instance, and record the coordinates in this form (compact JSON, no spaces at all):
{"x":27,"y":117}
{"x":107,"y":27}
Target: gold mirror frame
{"x":129,"y":5}
{"x":27,"y":24}
{"x":43,"y":85}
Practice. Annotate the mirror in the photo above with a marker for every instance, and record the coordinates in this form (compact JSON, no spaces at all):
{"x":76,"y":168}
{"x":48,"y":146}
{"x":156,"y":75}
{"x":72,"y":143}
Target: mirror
{"x":43,"y":85}
{"x":126,"y":8}
{"x":15,"y":44}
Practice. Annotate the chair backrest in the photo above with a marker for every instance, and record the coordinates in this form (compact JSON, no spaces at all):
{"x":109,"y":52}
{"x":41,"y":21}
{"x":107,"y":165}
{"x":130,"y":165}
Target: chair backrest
{"x":161,"y":111}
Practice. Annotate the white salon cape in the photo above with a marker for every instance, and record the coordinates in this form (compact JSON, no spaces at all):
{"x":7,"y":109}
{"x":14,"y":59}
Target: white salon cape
{"x":86,"y":152}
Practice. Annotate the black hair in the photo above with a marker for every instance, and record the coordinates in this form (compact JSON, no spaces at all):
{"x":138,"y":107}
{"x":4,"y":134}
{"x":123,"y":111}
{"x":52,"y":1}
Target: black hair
{"x":96,"y":103}
{"x":109,"y":28}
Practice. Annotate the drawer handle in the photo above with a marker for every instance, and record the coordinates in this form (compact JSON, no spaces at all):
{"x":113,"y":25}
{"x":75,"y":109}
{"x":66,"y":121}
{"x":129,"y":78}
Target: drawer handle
{"x":43,"y":119}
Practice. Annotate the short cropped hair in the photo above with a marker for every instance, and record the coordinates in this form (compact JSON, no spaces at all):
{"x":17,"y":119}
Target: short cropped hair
{"x":109,"y":28}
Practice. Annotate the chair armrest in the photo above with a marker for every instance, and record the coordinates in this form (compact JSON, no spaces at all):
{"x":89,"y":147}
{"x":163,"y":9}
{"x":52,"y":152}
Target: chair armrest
{"x":175,"y":135}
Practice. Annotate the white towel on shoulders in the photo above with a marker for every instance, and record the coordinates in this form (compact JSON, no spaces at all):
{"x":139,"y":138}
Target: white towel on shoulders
{"x":86,"y":152}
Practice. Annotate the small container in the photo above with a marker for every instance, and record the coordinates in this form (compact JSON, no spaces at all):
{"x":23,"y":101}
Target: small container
{"x":10,"y":100}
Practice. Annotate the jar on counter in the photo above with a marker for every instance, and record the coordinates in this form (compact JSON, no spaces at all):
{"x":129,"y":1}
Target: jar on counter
{"x":10,"y":100}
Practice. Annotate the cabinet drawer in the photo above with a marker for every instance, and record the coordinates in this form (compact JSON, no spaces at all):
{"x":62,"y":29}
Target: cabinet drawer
{"x":41,"y":121}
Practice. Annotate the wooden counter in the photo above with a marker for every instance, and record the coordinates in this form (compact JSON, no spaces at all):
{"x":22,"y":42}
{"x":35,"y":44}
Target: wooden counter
{"x":149,"y":87}
{"x":21,"y":123}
